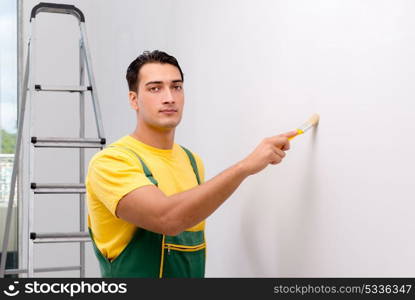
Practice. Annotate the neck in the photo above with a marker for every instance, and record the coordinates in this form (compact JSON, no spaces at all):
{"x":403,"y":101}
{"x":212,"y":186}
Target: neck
{"x":158,"y":138}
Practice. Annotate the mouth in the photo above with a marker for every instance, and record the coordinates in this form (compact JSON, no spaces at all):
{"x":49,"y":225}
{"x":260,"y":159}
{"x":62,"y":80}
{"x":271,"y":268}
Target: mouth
{"x":168,"y":111}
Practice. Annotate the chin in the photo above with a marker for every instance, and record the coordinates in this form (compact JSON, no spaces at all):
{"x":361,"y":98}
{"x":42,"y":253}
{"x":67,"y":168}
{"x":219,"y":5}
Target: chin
{"x":170,"y":125}
{"x":167,"y":125}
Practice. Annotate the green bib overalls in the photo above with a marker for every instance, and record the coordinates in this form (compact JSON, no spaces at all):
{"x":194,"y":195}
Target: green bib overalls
{"x":155,"y":255}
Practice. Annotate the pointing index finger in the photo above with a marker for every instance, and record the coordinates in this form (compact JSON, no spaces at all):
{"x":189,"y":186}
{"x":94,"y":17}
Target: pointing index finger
{"x":291,"y":134}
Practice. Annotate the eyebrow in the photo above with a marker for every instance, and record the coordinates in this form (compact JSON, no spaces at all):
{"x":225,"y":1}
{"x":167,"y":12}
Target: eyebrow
{"x":160,"y":82}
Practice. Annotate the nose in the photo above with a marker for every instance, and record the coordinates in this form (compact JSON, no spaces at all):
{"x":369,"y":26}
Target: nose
{"x":168,"y":97}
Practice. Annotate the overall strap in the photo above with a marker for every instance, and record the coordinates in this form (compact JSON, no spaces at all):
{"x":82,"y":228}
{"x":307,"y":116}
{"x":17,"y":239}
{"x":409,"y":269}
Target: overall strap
{"x":193,"y":163}
{"x":146,"y":170}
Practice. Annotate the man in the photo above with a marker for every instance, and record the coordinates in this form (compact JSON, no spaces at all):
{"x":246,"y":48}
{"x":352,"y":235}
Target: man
{"x":147,"y":198}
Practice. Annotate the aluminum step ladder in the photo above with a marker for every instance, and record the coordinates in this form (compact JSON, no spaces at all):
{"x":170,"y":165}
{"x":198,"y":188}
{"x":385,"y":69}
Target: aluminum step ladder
{"x":30,"y":87}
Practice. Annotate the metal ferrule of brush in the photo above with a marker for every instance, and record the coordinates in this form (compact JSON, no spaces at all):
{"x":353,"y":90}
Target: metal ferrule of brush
{"x":306,"y":126}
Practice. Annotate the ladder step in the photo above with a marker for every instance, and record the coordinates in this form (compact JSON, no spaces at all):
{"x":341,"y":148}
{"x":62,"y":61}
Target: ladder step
{"x":39,"y":270}
{"x":58,"y":188}
{"x":59,"y":142}
{"x":60,"y":237}
{"x":62,"y":88}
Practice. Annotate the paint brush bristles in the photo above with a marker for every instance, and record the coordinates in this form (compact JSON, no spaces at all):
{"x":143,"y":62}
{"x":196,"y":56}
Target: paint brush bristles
{"x":313,"y":121}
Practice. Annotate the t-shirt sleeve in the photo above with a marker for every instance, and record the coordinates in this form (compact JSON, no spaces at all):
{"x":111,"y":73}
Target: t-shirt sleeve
{"x":113,"y":174}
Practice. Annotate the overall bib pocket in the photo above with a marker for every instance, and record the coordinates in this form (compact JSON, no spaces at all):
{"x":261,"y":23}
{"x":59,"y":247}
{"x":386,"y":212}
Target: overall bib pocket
{"x":184,"y":255}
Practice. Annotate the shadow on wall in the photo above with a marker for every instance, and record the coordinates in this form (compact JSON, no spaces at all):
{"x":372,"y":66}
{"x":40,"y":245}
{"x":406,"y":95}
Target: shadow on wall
{"x":303,"y":238}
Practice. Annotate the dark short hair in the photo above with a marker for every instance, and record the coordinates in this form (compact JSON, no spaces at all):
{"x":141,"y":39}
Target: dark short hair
{"x":146,"y":57}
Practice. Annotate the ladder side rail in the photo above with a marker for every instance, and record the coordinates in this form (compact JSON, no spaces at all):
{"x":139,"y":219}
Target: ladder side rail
{"x":94,"y":95}
{"x":26,"y":185}
{"x":81,"y":159}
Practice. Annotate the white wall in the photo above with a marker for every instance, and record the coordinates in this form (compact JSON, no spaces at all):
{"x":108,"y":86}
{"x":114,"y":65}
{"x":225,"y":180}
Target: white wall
{"x":341,"y":203}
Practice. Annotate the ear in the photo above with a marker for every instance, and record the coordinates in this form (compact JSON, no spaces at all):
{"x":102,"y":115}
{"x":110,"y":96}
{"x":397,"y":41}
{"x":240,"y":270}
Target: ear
{"x":133,"y":97}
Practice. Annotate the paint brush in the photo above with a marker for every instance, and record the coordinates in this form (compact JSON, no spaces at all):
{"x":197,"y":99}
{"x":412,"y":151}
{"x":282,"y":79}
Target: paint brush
{"x":311,"y":122}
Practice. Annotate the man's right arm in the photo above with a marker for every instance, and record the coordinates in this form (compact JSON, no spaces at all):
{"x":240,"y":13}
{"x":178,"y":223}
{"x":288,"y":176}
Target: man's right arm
{"x":148,"y":207}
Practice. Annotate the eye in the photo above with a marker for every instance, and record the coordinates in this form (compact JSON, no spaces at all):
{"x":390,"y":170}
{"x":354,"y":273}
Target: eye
{"x":154,"y":89}
{"x":178,"y":87}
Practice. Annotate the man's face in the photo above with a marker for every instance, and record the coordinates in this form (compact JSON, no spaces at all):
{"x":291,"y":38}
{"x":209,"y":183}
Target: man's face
{"x":160,"y":97}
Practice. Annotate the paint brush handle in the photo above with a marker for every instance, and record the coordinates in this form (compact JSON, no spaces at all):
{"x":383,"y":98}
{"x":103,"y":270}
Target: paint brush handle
{"x":299,"y":131}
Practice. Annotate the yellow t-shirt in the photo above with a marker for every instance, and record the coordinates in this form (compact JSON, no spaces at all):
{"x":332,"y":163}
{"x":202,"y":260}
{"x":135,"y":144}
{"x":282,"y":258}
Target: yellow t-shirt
{"x":114,"y":172}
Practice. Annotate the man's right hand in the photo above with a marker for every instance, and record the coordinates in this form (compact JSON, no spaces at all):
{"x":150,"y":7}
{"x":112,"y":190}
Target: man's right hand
{"x":270,"y":151}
